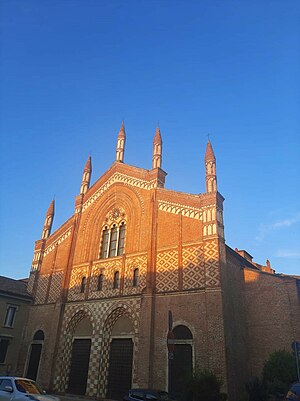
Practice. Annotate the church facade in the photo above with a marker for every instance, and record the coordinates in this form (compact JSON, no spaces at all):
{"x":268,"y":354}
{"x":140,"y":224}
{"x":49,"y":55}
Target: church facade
{"x":139,"y":267}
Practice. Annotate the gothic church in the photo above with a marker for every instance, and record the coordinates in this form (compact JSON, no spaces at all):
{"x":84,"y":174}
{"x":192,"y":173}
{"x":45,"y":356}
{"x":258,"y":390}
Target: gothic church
{"x":136,"y":264}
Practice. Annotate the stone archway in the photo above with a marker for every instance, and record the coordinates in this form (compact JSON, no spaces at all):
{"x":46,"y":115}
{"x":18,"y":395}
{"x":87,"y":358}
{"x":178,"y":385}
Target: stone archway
{"x":119,"y":332}
{"x":74,"y":328}
{"x":80,"y":357}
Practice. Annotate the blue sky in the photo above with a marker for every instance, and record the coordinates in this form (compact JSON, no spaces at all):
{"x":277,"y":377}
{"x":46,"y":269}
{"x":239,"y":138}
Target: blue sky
{"x":71,"y":70}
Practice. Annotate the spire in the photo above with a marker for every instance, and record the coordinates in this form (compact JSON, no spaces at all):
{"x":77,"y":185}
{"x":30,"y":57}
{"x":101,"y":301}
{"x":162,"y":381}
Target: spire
{"x":48,"y":221}
{"x":209,"y":154}
{"x":157,"y":150}
{"x":121,"y":144}
{"x":86,"y":177}
{"x":210,"y":169}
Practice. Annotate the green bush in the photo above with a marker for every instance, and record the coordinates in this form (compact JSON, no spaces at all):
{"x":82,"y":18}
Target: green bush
{"x":257,"y":390}
{"x":204,"y":385}
{"x":279,"y":372}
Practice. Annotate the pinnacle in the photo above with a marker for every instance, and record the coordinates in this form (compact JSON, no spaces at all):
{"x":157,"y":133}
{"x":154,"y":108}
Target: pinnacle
{"x":157,"y":136}
{"x":122,"y":130}
{"x":50,"y":210}
{"x":88,"y":165}
{"x":209,"y":154}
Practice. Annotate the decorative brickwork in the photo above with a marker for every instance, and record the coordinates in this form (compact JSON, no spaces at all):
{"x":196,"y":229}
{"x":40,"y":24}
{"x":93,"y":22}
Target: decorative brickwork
{"x":41,"y":292}
{"x":122,"y":178}
{"x":193,"y":267}
{"x":77,"y":275}
{"x":184,"y":210}
{"x":211,"y":255}
{"x":132,"y":263}
{"x":58,"y":241}
{"x":167,"y":271}
{"x":107,"y":267}
{"x":102,"y":316}
{"x":176,"y":241}
{"x":55,"y":287}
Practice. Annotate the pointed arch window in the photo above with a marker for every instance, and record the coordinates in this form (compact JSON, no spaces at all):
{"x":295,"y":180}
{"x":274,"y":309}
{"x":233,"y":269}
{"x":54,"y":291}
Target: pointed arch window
{"x":113,"y":240}
{"x":100,"y":282}
{"x":116,"y":280}
{"x":135,"y":282}
{"x":83,"y":285}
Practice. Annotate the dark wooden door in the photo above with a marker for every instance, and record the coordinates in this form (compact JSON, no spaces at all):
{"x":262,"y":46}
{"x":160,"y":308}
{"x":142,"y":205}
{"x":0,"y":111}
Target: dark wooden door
{"x":120,"y":368}
{"x":79,"y":366}
{"x":34,"y":361}
{"x":181,"y":368}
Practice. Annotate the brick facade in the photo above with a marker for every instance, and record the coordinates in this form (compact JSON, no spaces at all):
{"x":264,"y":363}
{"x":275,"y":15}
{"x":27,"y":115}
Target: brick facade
{"x":176,"y":241}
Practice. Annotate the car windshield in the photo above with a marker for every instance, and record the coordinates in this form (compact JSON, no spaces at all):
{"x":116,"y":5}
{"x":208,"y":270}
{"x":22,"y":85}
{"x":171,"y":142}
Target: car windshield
{"x":28,"y":386}
{"x":164,"y":396}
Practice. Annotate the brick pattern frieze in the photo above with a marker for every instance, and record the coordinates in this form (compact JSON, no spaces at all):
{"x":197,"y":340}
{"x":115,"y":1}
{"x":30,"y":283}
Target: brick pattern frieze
{"x":42,"y":286}
{"x":107,"y":267}
{"x":167,"y":270}
{"x":77,"y":275}
{"x":133,"y":262}
{"x":193,"y":267}
{"x":212,"y":267}
{"x":55,"y":286}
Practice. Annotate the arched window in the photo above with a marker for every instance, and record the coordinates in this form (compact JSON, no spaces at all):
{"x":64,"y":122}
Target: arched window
{"x":100,"y":282}
{"x":113,"y":240}
{"x":116,"y":280}
{"x":83,"y":284}
{"x":39,"y":335}
{"x":135,"y":282}
{"x":182,"y":333}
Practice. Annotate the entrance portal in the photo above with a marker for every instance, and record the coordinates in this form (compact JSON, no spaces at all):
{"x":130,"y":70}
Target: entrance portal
{"x":35,"y":355}
{"x":79,"y":366}
{"x":182,"y":364}
{"x":120,"y":368}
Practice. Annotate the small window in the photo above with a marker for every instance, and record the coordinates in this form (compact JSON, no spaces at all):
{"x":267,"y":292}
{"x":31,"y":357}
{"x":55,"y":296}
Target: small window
{"x":4,"y":343}
{"x":135,"y":278}
{"x":100,"y":282}
{"x":83,"y":284}
{"x":116,"y":280}
{"x":10,"y":316}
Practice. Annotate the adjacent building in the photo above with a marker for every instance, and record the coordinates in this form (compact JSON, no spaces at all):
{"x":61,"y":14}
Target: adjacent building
{"x":14,"y":308}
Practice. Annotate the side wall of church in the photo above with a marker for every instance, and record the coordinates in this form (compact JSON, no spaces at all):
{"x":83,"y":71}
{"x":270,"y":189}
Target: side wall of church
{"x":272,"y":304}
{"x":235,"y":324}
{"x":200,"y":312}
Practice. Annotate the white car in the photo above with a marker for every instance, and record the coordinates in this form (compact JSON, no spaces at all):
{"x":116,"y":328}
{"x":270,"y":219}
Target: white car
{"x":21,"y":389}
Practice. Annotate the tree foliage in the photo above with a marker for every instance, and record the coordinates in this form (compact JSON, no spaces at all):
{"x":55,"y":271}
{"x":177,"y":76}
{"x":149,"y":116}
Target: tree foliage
{"x":279,"y":371}
{"x":256,"y":390}
{"x":204,"y":385}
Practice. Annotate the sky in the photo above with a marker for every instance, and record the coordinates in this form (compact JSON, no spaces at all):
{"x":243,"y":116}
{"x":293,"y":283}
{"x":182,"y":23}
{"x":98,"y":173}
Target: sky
{"x":72,"y":70}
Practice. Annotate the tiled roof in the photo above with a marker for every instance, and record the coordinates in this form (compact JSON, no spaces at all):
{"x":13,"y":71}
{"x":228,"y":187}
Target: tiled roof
{"x":14,"y":287}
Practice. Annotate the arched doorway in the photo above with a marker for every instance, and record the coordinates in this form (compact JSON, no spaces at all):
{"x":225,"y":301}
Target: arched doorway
{"x":35,"y":355}
{"x":182,"y":364}
{"x":80,"y":357}
{"x":120,"y":358}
